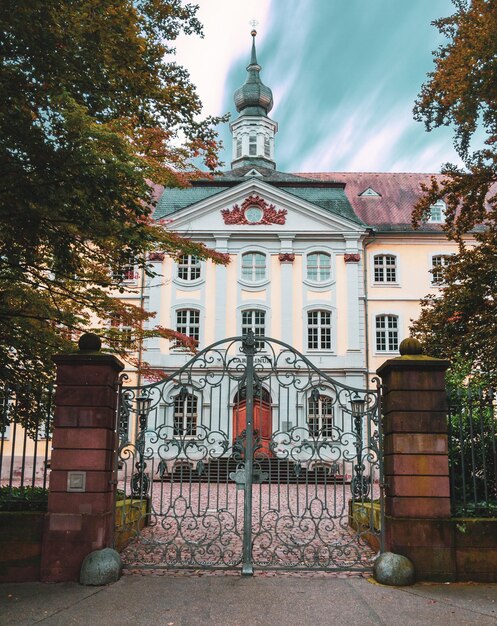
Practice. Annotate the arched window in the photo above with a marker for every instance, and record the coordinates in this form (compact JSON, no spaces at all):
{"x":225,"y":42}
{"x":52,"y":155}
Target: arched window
{"x":188,"y":267}
{"x":385,"y":268}
{"x":185,"y":414}
{"x":254,"y":320}
{"x":318,"y":267}
{"x":387,"y":333}
{"x":320,"y":416}
{"x":253,"y":266}
{"x":319,"y":330}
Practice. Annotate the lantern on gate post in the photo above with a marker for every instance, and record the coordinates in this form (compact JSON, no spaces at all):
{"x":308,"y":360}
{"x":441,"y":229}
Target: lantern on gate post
{"x":360,"y":483}
{"x":140,"y":481}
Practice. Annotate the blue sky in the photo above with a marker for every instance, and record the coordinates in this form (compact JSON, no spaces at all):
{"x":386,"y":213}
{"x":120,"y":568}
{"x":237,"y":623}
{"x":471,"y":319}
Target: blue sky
{"x":344,"y":76}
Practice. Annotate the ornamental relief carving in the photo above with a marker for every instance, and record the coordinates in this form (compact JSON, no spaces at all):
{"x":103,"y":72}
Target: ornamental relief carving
{"x":352,"y":258}
{"x":254,"y":211}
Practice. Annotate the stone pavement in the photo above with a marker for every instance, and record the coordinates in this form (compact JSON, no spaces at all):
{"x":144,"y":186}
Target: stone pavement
{"x":229,"y":600}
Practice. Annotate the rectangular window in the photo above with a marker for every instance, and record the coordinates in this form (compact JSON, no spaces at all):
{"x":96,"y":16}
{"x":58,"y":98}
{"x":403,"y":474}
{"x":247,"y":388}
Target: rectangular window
{"x":385,"y":268}
{"x":319,"y":330}
{"x":188,"y":323}
{"x":387,"y":333}
{"x":438,"y":262}
{"x":125,"y":271}
{"x":238,"y":148}
{"x":253,"y":266}
{"x":267,"y":147}
{"x":253,"y":145}
{"x":254,"y":320}
{"x":121,"y":335}
{"x":437,"y":212}
{"x":320,"y":417}
{"x":185,"y":415}
{"x":188,"y":267}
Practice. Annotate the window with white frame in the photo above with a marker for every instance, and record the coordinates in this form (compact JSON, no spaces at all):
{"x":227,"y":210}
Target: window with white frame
{"x":320,"y":416}
{"x":252,"y":145}
{"x":254,"y":320}
{"x":238,"y":147}
{"x":319,"y":267}
{"x":253,"y":266}
{"x":185,"y":414}
{"x":437,"y":212}
{"x":188,"y":267}
{"x":438,"y":263}
{"x":125,"y":271}
{"x":188,"y":322}
{"x":385,"y":268}
{"x":387,"y":333}
{"x":121,"y":335}
{"x":319,"y":330}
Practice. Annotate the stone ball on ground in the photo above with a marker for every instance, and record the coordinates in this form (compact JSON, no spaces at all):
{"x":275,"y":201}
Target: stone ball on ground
{"x":101,"y":567}
{"x":394,"y":569}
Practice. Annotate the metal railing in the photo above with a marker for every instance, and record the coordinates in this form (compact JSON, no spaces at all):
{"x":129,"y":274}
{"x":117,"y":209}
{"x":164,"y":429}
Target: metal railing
{"x":26,"y":416}
{"x":472,"y":428}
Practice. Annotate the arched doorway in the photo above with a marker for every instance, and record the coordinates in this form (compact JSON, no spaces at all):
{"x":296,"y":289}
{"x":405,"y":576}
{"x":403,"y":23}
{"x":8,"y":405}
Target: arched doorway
{"x":263,"y":423}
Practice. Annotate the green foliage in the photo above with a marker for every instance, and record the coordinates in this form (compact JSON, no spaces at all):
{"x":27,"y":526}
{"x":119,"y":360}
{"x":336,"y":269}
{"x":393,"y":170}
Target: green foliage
{"x":93,"y":109}
{"x":473,"y":450}
{"x":460,"y":323}
{"x":23,"y":499}
{"x":461,"y":92}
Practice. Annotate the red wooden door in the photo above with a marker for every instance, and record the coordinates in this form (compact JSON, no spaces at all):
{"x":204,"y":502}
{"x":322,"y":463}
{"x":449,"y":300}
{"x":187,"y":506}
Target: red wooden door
{"x":262,"y":423}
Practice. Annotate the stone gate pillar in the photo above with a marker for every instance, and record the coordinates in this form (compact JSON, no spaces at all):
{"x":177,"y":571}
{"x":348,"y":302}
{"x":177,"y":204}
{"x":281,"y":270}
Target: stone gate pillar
{"x":416,"y":469}
{"x":82,"y":480}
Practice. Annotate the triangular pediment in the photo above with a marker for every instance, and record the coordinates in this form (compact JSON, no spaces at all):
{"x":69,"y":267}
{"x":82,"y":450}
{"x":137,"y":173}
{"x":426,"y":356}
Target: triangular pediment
{"x":255,"y":207}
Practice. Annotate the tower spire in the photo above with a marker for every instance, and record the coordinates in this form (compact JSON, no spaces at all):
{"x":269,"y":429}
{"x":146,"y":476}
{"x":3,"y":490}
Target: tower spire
{"x":253,"y":131}
{"x":253,"y":57}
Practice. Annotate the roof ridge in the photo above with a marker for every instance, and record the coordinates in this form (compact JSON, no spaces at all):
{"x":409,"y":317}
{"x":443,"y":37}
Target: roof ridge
{"x":366,"y":173}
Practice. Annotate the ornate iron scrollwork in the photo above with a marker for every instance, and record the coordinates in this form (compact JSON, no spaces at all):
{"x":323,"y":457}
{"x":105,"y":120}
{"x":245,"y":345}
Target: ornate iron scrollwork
{"x":249,"y":455}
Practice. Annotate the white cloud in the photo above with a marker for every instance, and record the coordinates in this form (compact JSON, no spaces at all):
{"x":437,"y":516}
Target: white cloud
{"x":227,"y":38}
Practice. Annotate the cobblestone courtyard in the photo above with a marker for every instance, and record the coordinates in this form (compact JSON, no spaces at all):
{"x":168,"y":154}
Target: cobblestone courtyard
{"x":200,"y":525}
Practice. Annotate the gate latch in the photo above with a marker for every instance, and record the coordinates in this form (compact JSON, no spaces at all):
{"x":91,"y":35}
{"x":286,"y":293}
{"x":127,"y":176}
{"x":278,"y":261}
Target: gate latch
{"x":258,"y":476}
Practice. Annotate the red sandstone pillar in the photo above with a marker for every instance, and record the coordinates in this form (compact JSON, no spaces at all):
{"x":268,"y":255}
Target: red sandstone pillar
{"x":82,"y":480}
{"x":416,"y":469}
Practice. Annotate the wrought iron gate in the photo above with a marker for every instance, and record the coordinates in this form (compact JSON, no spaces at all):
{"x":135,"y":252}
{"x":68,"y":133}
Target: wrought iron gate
{"x":250,"y":456}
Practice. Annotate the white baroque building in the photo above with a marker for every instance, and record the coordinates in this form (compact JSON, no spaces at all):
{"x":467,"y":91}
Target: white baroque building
{"x":326,"y":262}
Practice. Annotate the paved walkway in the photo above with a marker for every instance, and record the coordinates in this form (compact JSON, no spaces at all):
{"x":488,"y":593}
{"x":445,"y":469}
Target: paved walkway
{"x":229,"y":600}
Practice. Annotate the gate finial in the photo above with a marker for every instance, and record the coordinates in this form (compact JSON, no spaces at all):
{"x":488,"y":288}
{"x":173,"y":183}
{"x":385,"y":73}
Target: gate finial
{"x":249,"y":345}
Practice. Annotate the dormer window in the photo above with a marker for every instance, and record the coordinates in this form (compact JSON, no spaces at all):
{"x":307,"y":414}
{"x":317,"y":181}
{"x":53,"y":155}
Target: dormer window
{"x":253,"y":145}
{"x":437,"y":212}
{"x":370,"y":193}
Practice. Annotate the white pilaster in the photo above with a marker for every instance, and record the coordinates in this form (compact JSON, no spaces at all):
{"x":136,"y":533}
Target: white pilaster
{"x":353,"y":304}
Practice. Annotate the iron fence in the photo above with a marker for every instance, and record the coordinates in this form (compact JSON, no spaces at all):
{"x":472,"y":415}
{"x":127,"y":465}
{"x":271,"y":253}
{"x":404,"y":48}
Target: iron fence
{"x":472,"y":426}
{"x":25,"y":442}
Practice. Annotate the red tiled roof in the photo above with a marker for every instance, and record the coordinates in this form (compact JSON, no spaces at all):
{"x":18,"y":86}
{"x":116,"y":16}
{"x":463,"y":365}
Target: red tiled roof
{"x":399,"y":193}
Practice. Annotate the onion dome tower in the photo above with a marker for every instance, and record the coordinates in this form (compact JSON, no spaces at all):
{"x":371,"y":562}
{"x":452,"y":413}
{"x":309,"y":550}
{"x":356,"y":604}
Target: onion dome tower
{"x":253,"y":131}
